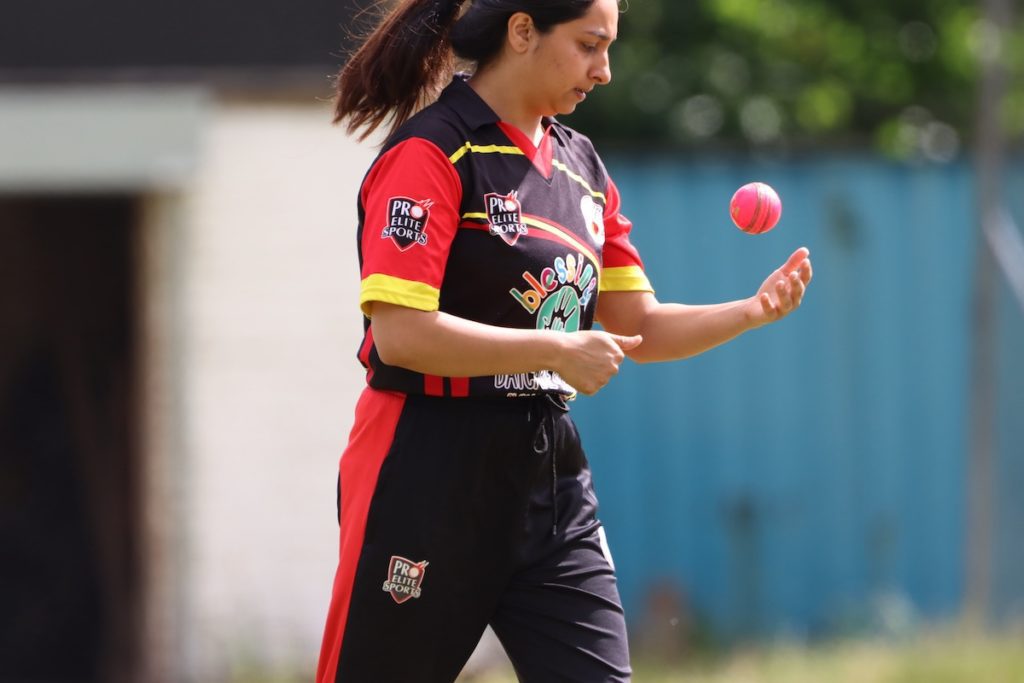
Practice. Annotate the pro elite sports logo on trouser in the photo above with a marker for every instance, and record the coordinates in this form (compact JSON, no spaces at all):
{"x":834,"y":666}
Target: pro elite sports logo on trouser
{"x":404,"y":578}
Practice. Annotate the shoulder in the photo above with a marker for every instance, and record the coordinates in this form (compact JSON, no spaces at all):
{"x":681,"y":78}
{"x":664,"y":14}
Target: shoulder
{"x":575,"y":139}
{"x":437,"y":124}
{"x":418,"y":155}
{"x":580,"y":149}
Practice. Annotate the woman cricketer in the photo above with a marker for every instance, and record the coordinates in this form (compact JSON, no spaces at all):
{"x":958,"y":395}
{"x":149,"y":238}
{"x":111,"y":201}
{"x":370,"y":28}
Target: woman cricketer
{"x":490,"y":239}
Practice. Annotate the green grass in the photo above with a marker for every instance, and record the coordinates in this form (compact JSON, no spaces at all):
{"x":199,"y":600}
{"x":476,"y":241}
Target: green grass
{"x":932,"y":659}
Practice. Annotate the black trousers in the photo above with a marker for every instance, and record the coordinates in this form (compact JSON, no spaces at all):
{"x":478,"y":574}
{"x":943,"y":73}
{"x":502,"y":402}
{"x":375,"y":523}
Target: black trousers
{"x":458,"y":513}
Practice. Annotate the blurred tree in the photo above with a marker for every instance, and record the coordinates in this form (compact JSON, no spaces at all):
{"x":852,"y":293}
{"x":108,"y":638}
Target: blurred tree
{"x":897,"y":75}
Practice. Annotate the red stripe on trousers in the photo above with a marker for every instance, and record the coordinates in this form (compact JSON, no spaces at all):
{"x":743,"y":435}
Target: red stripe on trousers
{"x":377,"y":416}
{"x":433,"y":385}
{"x":460,"y":387}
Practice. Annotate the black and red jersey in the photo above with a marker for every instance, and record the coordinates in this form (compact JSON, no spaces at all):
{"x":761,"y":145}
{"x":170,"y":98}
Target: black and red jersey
{"x":462,"y":213}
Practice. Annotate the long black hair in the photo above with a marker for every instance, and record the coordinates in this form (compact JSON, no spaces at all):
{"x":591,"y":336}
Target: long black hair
{"x":403,"y":64}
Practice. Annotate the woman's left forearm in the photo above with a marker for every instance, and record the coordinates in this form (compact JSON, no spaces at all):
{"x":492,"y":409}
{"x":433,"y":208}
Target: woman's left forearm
{"x":675,"y":331}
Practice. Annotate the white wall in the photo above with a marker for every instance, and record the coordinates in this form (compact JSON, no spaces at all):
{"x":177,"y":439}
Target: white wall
{"x":269,"y":330}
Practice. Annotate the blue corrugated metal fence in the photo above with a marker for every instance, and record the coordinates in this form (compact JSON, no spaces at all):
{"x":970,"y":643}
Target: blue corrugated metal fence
{"x":810,"y":477}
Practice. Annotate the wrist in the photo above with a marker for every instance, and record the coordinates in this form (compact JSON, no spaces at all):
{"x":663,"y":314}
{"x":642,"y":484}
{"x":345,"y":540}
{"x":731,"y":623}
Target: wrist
{"x":753,"y":313}
{"x":553,"y":347}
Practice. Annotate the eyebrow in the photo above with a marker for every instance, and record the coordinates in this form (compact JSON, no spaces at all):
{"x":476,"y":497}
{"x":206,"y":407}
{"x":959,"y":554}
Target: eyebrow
{"x":600,"y":34}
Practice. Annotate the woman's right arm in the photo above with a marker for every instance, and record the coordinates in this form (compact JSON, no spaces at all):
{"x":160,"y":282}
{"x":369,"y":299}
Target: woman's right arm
{"x":436,"y":343}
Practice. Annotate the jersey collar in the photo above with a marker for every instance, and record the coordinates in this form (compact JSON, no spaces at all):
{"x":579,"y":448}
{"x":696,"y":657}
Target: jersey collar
{"x":469,"y":106}
{"x":476,"y":113}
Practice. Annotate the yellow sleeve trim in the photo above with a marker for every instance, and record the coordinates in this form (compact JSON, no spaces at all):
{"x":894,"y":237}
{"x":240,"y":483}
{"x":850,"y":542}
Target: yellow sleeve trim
{"x":395,"y":290}
{"x":625,"y":279}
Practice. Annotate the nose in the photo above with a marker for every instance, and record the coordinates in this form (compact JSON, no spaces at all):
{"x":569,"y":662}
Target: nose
{"x":601,"y":72}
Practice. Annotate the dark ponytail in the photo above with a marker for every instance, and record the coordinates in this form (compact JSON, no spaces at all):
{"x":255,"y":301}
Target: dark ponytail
{"x":400,"y":68}
{"x":406,"y":61}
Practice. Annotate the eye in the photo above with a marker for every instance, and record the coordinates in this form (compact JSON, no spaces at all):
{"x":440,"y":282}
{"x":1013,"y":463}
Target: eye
{"x":588,"y":47}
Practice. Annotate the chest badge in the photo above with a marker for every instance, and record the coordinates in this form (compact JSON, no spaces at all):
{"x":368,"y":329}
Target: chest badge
{"x":505,"y":216}
{"x":593,"y":218}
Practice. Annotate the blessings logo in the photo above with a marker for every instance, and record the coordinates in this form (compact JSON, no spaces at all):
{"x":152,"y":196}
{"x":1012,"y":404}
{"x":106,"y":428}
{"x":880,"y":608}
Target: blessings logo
{"x":559,"y":293}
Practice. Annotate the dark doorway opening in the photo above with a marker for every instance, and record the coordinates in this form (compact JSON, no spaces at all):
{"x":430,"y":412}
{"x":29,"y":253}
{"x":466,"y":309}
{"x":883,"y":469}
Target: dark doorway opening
{"x":69,"y":515}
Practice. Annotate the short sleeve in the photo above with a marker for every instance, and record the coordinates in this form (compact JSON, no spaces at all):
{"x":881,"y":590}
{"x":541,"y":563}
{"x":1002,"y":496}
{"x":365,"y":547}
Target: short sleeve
{"x":622,"y":270}
{"x":410,"y":199}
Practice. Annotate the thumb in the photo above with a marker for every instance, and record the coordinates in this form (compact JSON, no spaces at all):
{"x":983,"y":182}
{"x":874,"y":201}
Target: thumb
{"x":627,"y":343}
{"x":795,"y":259}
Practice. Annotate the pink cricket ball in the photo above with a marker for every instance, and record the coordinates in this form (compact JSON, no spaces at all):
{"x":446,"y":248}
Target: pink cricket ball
{"x":755,"y":208}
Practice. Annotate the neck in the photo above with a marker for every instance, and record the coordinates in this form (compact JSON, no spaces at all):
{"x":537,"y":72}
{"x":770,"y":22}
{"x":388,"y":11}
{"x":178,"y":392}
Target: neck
{"x":503,"y":93}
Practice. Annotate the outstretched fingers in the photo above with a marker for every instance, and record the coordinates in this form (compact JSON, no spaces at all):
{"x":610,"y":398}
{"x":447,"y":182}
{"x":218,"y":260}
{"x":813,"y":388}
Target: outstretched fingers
{"x":784,"y":296}
{"x":796,"y":288}
{"x":767,"y":307}
{"x":783,"y":291}
{"x":796,"y":260}
{"x":806,"y":272}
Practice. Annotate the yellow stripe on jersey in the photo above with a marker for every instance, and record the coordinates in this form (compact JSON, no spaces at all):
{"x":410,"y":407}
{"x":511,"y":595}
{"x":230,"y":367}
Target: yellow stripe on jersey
{"x":395,"y":290}
{"x":578,"y":178}
{"x":624,"y":279}
{"x":484,"y":149}
{"x":511,"y":149}
{"x":547,"y":227}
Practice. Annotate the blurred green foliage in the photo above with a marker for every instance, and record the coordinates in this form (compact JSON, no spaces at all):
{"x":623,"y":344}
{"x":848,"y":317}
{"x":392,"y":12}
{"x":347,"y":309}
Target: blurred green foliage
{"x":897,"y":76}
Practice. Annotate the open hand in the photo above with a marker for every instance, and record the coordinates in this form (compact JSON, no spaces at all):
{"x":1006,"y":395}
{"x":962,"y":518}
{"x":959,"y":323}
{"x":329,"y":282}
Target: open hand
{"x":783,"y":290}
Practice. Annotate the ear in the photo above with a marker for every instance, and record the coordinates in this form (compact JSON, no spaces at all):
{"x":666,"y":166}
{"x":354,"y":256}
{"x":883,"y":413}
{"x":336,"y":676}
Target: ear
{"x":521,"y":32}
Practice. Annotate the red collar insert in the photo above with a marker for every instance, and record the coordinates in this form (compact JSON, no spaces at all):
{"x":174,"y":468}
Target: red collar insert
{"x":540,"y":155}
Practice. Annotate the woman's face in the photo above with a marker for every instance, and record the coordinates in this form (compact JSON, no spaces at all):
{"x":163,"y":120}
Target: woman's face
{"x":568,"y":61}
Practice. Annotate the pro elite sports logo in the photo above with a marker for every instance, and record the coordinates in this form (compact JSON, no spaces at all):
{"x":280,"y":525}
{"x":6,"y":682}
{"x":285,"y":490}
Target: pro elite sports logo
{"x":505,"y":216}
{"x":407,"y":222}
{"x":404,"y":578}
